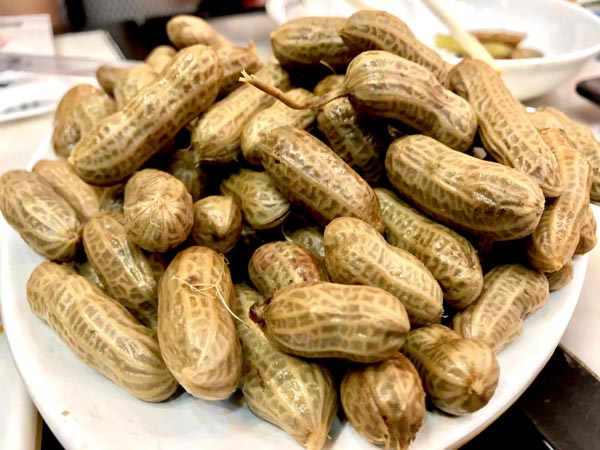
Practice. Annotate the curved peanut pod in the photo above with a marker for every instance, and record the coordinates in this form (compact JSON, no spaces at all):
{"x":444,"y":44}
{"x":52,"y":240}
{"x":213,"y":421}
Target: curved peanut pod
{"x":504,"y":125}
{"x":329,"y":320}
{"x":511,"y":292}
{"x":355,"y":253}
{"x":587,"y":233}
{"x":121,"y":266}
{"x":185,"y":30}
{"x":482,"y":197}
{"x":262,"y":204}
{"x":43,"y":219}
{"x":160,"y":57}
{"x":554,"y":241}
{"x":294,"y":394}
{"x":312,"y":176}
{"x":380,"y":30}
{"x":450,"y":258}
{"x":197,"y":337}
{"x":131,"y":81}
{"x":66,"y":183}
{"x":217,"y":223}
{"x":234,"y":60}
{"x":278,"y":264}
{"x":560,"y":278}
{"x":385,"y":401}
{"x":122,"y":142}
{"x":459,"y":375}
{"x":100,"y":331}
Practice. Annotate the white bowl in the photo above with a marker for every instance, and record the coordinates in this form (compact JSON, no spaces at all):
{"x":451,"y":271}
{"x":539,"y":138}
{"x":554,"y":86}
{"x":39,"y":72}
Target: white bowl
{"x":567,"y":34}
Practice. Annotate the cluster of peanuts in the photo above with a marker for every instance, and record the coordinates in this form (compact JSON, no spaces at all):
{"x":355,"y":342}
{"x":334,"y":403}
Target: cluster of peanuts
{"x":390,"y":257}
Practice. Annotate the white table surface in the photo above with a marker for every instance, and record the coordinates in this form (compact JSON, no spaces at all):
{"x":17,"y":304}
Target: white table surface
{"x":19,"y":139}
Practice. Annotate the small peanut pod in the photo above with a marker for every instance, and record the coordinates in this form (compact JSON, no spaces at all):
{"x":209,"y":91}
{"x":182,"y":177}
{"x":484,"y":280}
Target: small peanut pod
{"x":184,"y":168}
{"x":121,"y":266}
{"x":355,"y":253}
{"x":217,"y":134}
{"x":385,"y":401}
{"x":450,"y":258}
{"x":185,"y":30}
{"x":197,"y":337}
{"x":100,"y":331}
{"x":482,"y":197}
{"x":459,"y":375}
{"x":275,"y":115}
{"x":82,"y":197}
{"x":312,"y":176}
{"x":133,"y":80}
{"x":294,"y":394}
{"x":310,"y":237}
{"x":380,"y":30}
{"x":160,"y":57}
{"x":122,"y":142}
{"x":107,"y":77}
{"x":43,"y":219}
{"x":329,"y":320}
{"x":217,"y":223}
{"x":308,"y":42}
{"x":511,"y":293}
{"x":587,"y":234}
{"x":504,"y":126}
{"x":278,"y":264}
{"x":261,"y":203}
{"x":554,"y":241}
{"x":234,"y":60}
{"x":157,"y":210}
{"x":560,"y":278}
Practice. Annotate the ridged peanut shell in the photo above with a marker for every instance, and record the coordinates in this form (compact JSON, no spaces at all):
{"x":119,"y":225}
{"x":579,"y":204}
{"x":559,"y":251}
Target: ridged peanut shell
{"x":217,"y":223}
{"x":587,"y":233}
{"x":131,"y":81}
{"x":234,"y":60}
{"x":185,"y":30}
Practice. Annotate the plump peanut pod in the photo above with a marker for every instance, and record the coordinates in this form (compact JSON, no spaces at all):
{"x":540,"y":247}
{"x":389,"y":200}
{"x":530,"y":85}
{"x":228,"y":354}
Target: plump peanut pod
{"x":157,"y":210}
{"x":82,"y":197}
{"x":312,"y":176}
{"x":294,"y":394}
{"x":133,"y":80}
{"x":185,"y":30}
{"x":234,"y":60}
{"x":197,"y":337}
{"x":585,"y":143}
{"x":217,"y":223}
{"x":380,"y":30}
{"x":451,"y":258}
{"x":160,"y":57}
{"x":184,"y":168}
{"x":310,"y":237}
{"x":43,"y":219}
{"x":504,"y":125}
{"x":559,"y":279}
{"x":554,"y":241}
{"x":107,"y":77}
{"x":100,"y":331}
{"x":385,"y":401}
{"x":217,"y":134}
{"x":511,"y":293}
{"x":587,"y":233}
{"x":464,"y":192}
{"x":310,"y":42}
{"x":355,"y":253}
{"x":459,"y":375}
{"x":122,"y":267}
{"x":275,"y":115}
{"x":278,"y":264}
{"x":122,"y":142}
{"x":329,"y":320}
{"x":261,"y":203}
{"x":91,"y":110}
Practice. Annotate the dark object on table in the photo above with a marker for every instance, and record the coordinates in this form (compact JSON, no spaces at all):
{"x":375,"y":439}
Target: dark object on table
{"x":590,"y":89}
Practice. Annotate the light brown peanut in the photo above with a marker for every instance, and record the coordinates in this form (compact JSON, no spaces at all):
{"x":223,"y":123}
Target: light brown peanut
{"x":504,"y":125}
{"x":217,"y":223}
{"x":355,"y":253}
{"x":464,"y":192}
{"x":107,"y":76}
{"x":380,"y":30}
{"x":185,"y":30}
{"x":131,"y":81}
{"x":587,"y":234}
{"x":158,"y":210}
{"x":159,"y":57}
{"x":560,"y":278}
{"x":511,"y":292}
{"x":261,"y":203}
{"x":296,"y":395}
{"x":100,"y":331}
{"x":197,"y":337}
{"x":459,"y":375}
{"x":122,"y":142}
{"x":329,"y":320}
{"x":385,"y":401}
{"x":43,"y":219}
{"x":450,"y":258}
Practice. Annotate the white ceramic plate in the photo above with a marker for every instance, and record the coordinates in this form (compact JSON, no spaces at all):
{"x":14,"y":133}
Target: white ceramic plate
{"x":86,"y":410}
